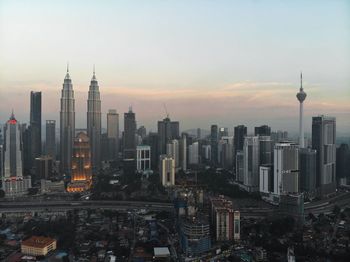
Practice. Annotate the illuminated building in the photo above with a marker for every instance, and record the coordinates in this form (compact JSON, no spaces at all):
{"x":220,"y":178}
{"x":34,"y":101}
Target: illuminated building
{"x":81,"y":164}
{"x":38,"y":246}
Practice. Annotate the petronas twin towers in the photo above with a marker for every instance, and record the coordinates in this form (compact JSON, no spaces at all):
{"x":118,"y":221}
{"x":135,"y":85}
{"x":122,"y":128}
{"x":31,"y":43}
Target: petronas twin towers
{"x":67,"y":123}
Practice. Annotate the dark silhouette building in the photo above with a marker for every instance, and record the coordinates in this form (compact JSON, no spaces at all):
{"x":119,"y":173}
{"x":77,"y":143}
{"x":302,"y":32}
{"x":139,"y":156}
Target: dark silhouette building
{"x":323,"y":141}
{"x":307,"y":169}
{"x":50,"y":138}
{"x":214,"y":144}
{"x":262,"y":130}
{"x":35,"y":126}
{"x":167,"y":130}
{"x":238,"y":140}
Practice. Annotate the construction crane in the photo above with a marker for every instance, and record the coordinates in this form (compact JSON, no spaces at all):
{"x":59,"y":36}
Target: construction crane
{"x":166,"y":110}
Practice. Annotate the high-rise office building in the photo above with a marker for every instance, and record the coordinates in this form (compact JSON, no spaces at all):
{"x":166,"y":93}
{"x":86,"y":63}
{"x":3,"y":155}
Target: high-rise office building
{"x":301,"y":96}
{"x":143,"y":158}
{"x":265,"y":150}
{"x":183,"y":151}
{"x":239,"y":166}
{"x":129,"y":145}
{"x":113,"y":132}
{"x":343,"y":164}
{"x":152,"y":140}
{"x":223,"y":131}
{"x":13,"y":182}
{"x":167,"y":130}
{"x":265,"y":179}
{"x":50,"y":142}
{"x":222,"y":217}
{"x":67,"y":124}
{"x":43,"y":167}
{"x":286,"y":168}
{"x":94,"y":122}
{"x":142,"y":132}
{"x":214,"y":143}
{"x":225,"y":152}
{"x":279,"y":136}
{"x":167,"y":170}
{"x":238,"y":139}
{"x":193,"y":154}
{"x":173,"y":151}
{"x":26,"y":149}
{"x":251,"y":163}
{"x":35,"y":125}
{"x":323,"y":141}
{"x":262,"y":130}
{"x":81,"y":164}
{"x":307,"y":167}
{"x":129,"y":134}
{"x":236,"y":225}
{"x":199,"y":135}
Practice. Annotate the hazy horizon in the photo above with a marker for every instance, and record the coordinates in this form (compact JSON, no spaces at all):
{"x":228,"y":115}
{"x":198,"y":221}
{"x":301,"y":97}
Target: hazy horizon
{"x":222,"y":62}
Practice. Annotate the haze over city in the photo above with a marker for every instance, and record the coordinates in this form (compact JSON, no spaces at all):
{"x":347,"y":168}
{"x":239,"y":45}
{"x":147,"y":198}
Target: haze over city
{"x":229,"y":62}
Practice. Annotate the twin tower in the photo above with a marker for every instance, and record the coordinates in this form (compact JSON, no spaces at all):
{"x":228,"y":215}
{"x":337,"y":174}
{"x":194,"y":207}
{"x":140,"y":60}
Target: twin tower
{"x":67,"y":123}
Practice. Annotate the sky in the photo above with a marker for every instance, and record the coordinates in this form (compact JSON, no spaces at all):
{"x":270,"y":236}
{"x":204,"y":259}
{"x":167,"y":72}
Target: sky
{"x":210,"y":62}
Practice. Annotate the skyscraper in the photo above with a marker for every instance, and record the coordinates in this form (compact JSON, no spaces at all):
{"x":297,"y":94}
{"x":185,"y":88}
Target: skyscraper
{"x":51,"y":138}
{"x":251,"y":163}
{"x":301,"y":95}
{"x":129,"y":134}
{"x":94,"y":122}
{"x":167,"y":130}
{"x":266,"y":150}
{"x":307,"y":167}
{"x":286,"y":168}
{"x":323,"y":141}
{"x":173,"y":151}
{"x":214,"y":142}
{"x":238,"y":140}
{"x":262,"y":130}
{"x":35,"y":125}
{"x":67,"y":124}
{"x":183,"y":151}
{"x":143,"y":159}
{"x":113,"y":131}
{"x":13,"y":182}
{"x":81,"y":164}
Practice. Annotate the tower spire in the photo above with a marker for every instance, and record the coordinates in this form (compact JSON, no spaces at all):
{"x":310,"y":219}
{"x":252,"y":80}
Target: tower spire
{"x":301,"y":80}
{"x":67,"y":67}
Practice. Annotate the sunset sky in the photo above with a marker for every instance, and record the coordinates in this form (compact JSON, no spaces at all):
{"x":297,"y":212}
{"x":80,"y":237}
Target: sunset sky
{"x":210,"y":62}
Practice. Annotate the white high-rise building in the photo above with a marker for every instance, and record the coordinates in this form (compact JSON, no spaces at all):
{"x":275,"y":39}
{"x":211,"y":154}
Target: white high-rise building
{"x":67,"y":124}
{"x":143,"y":158}
{"x":251,"y":163}
{"x":13,"y":182}
{"x":94,"y":122}
{"x":301,"y":95}
{"x":167,"y":170}
{"x":172,"y":149}
{"x":286,"y":168}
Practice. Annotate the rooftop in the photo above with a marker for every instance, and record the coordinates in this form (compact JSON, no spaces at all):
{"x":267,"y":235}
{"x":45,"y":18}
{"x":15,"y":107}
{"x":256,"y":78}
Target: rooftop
{"x":38,"y":241}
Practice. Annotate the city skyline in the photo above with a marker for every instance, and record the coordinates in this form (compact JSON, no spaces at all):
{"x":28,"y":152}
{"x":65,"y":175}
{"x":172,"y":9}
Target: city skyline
{"x":206,"y":67}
